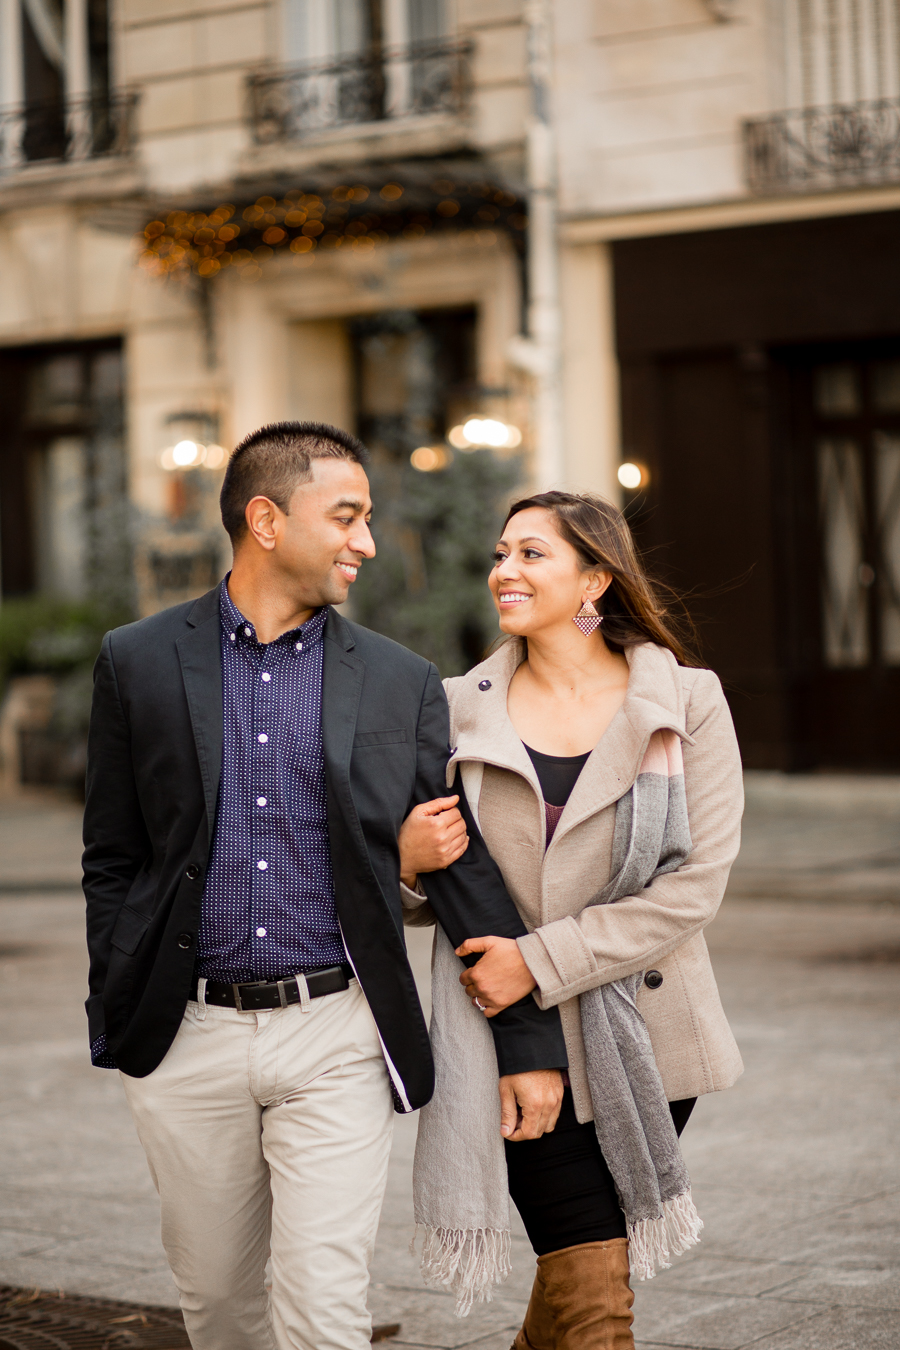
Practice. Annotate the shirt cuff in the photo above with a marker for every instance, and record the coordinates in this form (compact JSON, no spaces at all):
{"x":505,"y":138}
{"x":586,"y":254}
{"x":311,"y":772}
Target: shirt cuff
{"x":100,"y":1056}
{"x":417,"y":913}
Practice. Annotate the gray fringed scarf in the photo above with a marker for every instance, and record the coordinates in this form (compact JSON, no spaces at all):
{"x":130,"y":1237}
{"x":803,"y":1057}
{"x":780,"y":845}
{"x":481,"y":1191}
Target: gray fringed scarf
{"x":459,"y":1180}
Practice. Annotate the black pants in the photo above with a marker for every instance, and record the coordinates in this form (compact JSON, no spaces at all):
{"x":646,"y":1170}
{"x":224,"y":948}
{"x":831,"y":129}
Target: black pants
{"x":562,"y":1187}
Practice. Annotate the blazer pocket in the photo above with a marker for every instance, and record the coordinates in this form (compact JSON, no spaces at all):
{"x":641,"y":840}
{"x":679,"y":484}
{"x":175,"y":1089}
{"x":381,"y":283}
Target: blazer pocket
{"x":364,"y":738}
{"x":129,"y":929}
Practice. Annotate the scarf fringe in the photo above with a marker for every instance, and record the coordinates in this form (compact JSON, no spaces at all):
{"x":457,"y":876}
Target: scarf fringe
{"x":652,"y":1241}
{"x":467,"y":1261}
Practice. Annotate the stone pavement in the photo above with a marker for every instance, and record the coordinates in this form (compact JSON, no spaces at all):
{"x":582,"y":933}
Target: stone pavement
{"x":796,"y":1170}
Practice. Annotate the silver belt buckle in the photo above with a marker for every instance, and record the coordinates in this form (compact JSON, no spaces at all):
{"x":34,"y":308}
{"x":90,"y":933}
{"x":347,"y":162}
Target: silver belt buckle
{"x":237,"y":997}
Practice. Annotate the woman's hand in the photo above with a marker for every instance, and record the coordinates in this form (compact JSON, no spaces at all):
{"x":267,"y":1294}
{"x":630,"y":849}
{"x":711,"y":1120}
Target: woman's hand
{"x":500,"y":978}
{"x":431,"y":837}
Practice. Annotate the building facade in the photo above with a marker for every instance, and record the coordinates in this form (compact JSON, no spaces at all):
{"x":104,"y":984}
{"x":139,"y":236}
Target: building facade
{"x":657,"y":231}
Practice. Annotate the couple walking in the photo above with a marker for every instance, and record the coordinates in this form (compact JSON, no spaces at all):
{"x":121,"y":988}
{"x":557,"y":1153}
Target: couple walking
{"x":267,"y":805}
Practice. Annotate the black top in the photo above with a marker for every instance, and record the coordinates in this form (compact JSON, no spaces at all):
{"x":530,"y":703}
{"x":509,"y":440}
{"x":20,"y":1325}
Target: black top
{"x":557,"y":774}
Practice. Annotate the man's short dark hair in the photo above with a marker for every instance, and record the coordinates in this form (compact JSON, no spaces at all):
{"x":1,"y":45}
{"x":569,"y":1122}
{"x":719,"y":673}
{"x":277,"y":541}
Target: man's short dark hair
{"x":273,"y":461}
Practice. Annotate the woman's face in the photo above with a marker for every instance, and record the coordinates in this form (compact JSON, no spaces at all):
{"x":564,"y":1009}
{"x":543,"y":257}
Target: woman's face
{"x":538,"y":582}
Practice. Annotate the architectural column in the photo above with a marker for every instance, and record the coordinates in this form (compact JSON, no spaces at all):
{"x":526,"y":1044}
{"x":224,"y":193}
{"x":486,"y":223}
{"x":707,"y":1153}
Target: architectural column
{"x":11,"y":80}
{"x":78,"y":77}
{"x":590,"y":370}
{"x":539,"y":352}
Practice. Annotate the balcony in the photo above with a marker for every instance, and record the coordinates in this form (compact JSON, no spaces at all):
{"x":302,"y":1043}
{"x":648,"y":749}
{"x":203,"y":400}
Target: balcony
{"x":378,"y":86}
{"x":79,"y":130}
{"x":817,"y":149}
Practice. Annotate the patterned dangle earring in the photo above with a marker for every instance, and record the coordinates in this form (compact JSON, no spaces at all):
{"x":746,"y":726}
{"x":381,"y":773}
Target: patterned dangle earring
{"x":587,"y":618}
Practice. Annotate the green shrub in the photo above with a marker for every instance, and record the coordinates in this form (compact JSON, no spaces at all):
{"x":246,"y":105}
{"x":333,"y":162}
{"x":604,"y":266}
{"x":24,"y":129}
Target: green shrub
{"x":53,"y":636}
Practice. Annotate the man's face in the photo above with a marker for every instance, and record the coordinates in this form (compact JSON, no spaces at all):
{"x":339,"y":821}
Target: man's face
{"x":322,"y":540}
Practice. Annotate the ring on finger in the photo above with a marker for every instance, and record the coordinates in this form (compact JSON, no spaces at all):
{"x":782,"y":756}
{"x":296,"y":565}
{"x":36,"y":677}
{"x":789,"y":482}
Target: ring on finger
{"x":479,"y":1004}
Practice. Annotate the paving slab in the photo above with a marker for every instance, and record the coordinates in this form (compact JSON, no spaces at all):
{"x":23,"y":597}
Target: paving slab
{"x":796,"y":1170}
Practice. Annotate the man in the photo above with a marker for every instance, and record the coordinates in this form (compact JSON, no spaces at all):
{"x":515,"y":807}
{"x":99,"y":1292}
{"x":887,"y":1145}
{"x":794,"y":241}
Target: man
{"x":252,"y":757}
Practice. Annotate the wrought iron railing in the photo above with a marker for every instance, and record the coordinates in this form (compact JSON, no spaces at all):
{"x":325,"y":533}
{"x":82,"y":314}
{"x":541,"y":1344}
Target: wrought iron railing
{"x":820,"y":148}
{"x":379,"y":84}
{"x":74,"y":130}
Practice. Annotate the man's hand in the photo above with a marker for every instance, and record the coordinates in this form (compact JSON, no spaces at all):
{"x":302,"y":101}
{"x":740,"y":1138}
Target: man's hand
{"x":529,"y":1104}
{"x":431,"y":837}
{"x":500,"y":978}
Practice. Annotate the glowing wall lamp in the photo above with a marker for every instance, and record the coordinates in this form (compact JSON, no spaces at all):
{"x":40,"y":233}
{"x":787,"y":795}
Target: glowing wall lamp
{"x":195,"y":446}
{"x":632,"y":476}
{"x":483,"y":433}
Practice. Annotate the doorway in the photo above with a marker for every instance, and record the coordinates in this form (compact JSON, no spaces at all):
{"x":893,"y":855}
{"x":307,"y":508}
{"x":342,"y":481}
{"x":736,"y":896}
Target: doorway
{"x":64,"y":508}
{"x":842,"y":553}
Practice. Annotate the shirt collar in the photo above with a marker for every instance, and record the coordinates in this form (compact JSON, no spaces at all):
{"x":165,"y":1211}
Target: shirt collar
{"x":239,"y":629}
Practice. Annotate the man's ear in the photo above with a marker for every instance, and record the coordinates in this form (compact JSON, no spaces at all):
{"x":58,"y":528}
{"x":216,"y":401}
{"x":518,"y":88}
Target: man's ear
{"x":262,"y":517}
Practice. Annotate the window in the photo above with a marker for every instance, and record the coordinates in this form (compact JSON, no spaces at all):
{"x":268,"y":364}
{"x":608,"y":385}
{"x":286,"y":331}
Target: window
{"x":55,"y":81}
{"x":839,"y":53}
{"x":319,"y":29}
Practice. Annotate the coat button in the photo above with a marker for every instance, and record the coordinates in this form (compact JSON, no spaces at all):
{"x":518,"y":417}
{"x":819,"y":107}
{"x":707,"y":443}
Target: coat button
{"x":653,"y":979}
{"x":185,"y":940}
{"x":485,"y":684}
{"x":193,"y":872}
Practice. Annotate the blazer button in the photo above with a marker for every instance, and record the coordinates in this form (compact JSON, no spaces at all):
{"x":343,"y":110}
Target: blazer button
{"x":185,"y":940}
{"x":653,"y":979}
{"x":485,"y":684}
{"x":193,"y":872}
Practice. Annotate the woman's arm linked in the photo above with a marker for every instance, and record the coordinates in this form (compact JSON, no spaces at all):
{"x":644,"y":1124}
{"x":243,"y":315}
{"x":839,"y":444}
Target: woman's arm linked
{"x":606,"y":942}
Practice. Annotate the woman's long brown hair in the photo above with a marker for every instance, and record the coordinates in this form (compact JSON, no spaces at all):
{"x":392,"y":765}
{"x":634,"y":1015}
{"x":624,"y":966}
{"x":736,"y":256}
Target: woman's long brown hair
{"x":635,"y":608}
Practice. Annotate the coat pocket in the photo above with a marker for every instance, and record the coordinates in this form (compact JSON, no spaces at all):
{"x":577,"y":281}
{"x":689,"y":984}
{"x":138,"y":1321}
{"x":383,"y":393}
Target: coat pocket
{"x":129,"y":929}
{"x":366,"y":738}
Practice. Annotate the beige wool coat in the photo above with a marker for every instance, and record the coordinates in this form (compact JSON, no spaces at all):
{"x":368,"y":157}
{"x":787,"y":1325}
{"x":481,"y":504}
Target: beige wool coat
{"x":572,"y":946}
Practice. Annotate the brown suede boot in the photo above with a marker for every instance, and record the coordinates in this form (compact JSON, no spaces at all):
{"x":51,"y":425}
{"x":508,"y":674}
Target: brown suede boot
{"x":586,"y":1291}
{"x":538,"y":1328}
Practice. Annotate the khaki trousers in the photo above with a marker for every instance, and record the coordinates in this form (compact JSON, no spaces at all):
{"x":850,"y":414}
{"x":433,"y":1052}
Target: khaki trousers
{"x":268,"y":1134}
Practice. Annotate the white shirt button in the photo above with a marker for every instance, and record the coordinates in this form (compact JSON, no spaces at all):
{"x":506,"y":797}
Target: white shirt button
{"x":262,"y":738}
{"x":249,"y":632}
{"x":266,"y":676}
{"x":232,"y":636}
{"x":260,"y":801}
{"x":299,"y":646}
{"x":260,"y":932}
{"x":262,"y":865}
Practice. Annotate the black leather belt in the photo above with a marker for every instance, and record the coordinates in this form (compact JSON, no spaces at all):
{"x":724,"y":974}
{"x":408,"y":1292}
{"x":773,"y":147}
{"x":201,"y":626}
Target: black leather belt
{"x":260,"y":995}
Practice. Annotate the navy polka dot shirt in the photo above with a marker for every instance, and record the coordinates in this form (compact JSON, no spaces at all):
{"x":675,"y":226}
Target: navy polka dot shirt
{"x":268,"y":905}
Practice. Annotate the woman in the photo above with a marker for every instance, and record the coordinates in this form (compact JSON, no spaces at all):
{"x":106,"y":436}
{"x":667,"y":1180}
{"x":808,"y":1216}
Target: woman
{"x":604,"y":775}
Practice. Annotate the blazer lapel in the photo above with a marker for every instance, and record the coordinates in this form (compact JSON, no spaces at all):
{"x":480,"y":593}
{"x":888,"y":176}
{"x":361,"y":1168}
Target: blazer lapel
{"x":200,"y":654}
{"x":342,"y":682}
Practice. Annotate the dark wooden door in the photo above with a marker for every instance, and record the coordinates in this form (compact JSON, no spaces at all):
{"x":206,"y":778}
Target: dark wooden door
{"x":842,"y":475}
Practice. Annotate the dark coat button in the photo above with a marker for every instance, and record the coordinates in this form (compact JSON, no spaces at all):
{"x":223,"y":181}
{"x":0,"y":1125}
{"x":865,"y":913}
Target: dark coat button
{"x":653,"y":979}
{"x":185,"y":940}
{"x":485,"y":684}
{"x":193,"y":872}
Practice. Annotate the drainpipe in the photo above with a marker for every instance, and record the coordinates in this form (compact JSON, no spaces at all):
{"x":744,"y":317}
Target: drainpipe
{"x":540,"y":351}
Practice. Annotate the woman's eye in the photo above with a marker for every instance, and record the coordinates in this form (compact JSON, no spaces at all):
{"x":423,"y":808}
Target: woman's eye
{"x":532,"y":553}
{"x":497,"y":557}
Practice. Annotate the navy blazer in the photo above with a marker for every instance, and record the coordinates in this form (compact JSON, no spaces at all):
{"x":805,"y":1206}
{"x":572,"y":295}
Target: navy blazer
{"x":154,"y":764}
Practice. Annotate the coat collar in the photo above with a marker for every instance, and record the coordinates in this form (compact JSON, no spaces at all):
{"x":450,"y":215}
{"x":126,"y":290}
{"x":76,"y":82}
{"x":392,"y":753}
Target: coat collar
{"x":654,"y":700}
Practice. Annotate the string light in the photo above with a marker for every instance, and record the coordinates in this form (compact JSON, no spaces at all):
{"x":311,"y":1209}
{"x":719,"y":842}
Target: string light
{"x":430,"y":458}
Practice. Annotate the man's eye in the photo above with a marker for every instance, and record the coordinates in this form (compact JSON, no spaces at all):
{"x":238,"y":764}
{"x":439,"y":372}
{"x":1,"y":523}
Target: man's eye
{"x":345,"y":520}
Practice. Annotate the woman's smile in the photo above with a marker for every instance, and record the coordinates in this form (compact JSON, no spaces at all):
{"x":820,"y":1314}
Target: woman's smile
{"x":512,"y":597}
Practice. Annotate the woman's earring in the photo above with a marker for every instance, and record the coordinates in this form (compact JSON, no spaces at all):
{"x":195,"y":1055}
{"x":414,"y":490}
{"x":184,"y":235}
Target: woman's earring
{"x":587,"y":618}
